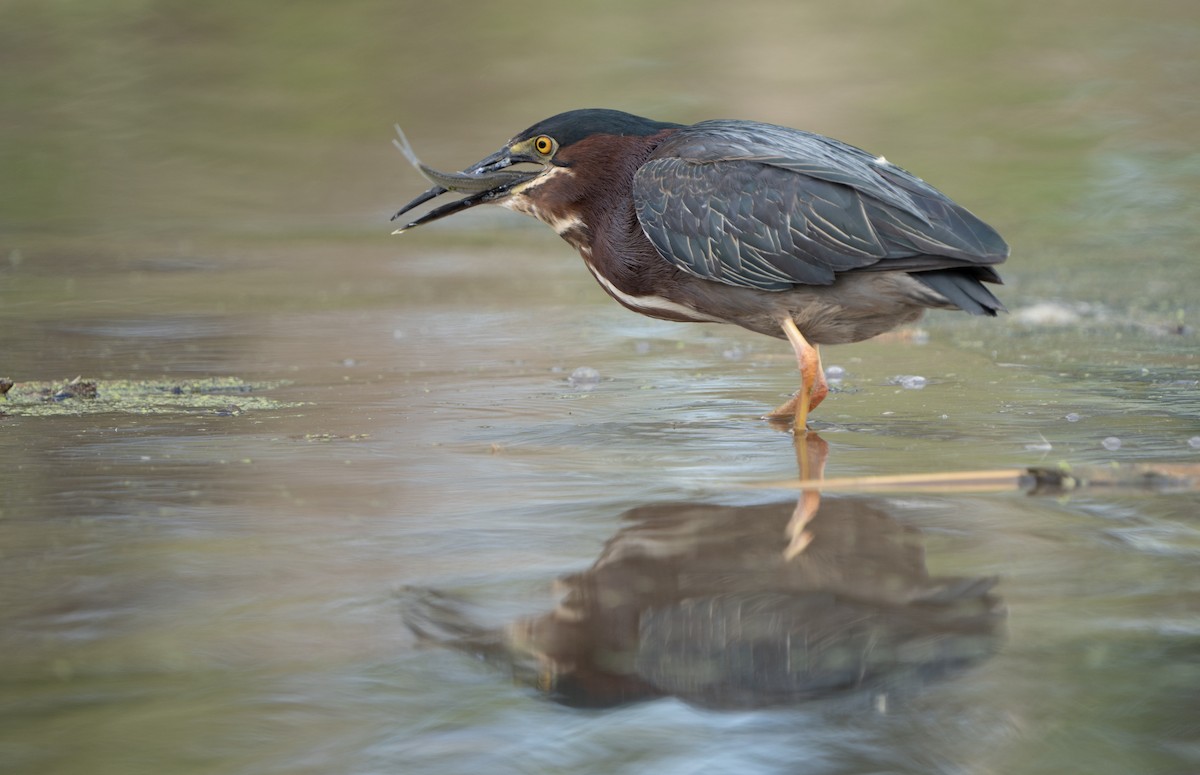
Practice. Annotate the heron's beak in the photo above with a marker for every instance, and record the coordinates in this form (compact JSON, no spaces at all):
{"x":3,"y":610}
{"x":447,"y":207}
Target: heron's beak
{"x":485,"y":181}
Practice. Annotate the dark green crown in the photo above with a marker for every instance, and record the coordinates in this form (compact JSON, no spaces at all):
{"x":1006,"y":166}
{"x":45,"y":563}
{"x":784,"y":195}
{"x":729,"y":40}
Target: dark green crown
{"x":575,"y":125}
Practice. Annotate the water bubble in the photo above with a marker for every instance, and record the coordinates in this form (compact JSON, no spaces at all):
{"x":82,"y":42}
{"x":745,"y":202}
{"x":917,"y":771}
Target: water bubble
{"x":1194,"y":442}
{"x":584,"y":378}
{"x":734,"y":353}
{"x":1047,"y":314}
{"x":835,"y":373}
{"x":1111,"y":443}
{"x":909,"y":381}
{"x":1072,"y":417}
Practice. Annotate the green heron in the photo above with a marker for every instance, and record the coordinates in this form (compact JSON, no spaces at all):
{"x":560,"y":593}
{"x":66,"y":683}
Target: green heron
{"x":781,"y":231}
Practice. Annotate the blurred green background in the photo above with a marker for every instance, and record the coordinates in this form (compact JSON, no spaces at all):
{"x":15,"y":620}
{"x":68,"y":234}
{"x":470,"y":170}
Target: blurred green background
{"x":135,"y":117}
{"x":1069,"y":125}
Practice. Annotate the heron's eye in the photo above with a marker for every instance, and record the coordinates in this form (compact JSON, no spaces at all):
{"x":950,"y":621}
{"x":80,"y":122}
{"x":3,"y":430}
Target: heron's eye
{"x":543,"y":145}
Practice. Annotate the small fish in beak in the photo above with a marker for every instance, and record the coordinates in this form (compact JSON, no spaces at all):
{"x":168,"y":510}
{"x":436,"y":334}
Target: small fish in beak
{"x":486,"y":181}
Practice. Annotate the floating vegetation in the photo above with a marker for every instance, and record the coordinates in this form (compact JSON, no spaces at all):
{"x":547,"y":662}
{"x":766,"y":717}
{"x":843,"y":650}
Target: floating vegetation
{"x":222,"y":396}
{"x":322,"y":438}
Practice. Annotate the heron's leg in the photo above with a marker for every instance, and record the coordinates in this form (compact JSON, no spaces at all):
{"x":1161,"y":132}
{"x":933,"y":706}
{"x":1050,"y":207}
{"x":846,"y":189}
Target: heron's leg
{"x":813,"y":387}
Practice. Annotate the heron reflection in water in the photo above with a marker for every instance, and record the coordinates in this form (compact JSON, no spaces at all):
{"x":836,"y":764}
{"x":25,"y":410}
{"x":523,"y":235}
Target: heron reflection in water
{"x":738,"y":607}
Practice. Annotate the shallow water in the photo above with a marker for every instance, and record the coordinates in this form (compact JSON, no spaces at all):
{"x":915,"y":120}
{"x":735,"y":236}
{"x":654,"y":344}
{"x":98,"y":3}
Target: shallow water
{"x":205,"y":194}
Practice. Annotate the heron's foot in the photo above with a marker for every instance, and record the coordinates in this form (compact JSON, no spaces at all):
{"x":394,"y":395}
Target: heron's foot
{"x":792,"y":409}
{"x":785,"y":411}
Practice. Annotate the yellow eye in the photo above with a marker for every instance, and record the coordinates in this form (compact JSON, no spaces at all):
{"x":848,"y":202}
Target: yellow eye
{"x":543,"y":145}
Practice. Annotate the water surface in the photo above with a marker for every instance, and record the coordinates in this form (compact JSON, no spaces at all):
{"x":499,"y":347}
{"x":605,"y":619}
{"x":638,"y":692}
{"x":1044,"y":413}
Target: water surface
{"x":204,"y":192}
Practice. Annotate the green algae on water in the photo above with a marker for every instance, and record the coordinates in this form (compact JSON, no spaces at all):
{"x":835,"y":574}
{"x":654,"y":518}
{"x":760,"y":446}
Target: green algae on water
{"x":215,"y":395}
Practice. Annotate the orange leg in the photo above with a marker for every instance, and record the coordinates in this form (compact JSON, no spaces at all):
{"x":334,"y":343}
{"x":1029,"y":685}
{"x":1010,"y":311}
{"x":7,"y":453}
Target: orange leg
{"x":813,"y":387}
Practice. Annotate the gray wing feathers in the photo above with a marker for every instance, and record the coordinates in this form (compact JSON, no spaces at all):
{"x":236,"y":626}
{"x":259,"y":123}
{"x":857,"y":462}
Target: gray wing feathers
{"x":781,"y":235}
{"x":768,"y":207}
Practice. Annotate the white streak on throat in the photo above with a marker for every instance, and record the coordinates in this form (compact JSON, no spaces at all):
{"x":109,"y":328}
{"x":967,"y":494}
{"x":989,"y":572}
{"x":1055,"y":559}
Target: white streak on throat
{"x":519,"y":203}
